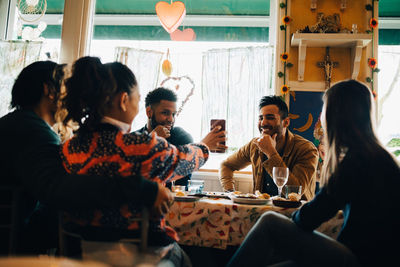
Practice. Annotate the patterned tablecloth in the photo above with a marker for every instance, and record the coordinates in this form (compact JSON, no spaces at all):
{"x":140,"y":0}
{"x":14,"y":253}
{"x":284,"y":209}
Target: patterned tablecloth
{"x":220,"y":222}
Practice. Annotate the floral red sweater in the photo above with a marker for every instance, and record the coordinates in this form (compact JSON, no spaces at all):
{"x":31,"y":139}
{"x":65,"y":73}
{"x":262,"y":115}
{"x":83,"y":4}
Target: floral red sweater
{"x":109,"y":152}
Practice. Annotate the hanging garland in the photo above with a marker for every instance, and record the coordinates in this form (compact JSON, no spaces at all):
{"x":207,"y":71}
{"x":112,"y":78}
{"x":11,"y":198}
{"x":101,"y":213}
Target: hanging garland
{"x":285,"y":55}
{"x":372,"y":62}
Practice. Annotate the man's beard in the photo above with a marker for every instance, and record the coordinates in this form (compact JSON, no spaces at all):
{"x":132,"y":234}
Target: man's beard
{"x":154,"y":123}
{"x":272,"y":130}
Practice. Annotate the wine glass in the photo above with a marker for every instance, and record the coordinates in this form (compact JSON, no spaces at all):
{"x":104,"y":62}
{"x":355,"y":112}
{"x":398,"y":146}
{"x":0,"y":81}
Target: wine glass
{"x":280,"y":176}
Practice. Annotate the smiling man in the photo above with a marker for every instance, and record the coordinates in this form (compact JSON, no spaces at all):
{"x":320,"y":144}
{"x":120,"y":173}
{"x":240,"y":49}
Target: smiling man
{"x":276,"y":147}
{"x":161,"y":110}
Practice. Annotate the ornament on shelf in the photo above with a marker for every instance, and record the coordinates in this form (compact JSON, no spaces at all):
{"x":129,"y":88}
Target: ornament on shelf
{"x":187,"y":34}
{"x":354,"y":28}
{"x":170,"y":15}
{"x":325,"y":24}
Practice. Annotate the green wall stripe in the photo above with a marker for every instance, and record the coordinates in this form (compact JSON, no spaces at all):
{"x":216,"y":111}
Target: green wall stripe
{"x":193,"y":7}
{"x":231,"y":34}
{"x":387,"y":8}
{"x":389,"y":37}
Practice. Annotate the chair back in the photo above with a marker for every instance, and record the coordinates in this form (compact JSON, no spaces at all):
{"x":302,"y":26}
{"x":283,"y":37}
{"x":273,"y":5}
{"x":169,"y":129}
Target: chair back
{"x":144,"y":231}
{"x":65,"y":234}
{"x":9,"y":198}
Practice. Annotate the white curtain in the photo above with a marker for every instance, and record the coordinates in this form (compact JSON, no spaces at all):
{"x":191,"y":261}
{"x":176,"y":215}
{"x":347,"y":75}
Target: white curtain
{"x":233,"y":82}
{"x":145,"y":64}
{"x":389,"y":94}
{"x":14,"y":56}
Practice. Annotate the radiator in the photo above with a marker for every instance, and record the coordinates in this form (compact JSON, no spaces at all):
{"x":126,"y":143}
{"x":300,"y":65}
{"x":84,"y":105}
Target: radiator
{"x":243,"y":182}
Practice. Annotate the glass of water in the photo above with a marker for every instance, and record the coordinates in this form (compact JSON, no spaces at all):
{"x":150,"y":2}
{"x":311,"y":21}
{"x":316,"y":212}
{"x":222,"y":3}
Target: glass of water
{"x":280,"y":176}
{"x":176,"y":188}
{"x":195,"y":186}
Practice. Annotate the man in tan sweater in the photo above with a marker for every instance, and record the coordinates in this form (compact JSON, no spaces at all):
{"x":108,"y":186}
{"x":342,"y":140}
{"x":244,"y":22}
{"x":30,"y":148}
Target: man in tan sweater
{"x":276,"y":147}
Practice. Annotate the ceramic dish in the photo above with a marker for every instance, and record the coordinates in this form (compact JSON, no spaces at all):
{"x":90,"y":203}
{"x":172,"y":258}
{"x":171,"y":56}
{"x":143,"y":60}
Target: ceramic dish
{"x":251,"y":201}
{"x":213,"y":195}
{"x":286,"y":203}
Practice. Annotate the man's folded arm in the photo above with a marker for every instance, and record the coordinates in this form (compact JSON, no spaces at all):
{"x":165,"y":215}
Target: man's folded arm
{"x":235,"y":162}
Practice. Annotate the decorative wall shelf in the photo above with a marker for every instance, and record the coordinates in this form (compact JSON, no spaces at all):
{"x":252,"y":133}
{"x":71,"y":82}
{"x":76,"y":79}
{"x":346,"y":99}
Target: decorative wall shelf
{"x":354,"y":41}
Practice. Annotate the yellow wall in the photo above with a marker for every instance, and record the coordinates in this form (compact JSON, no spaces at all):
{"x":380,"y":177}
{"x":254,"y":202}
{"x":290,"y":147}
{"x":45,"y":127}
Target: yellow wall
{"x":302,"y":16}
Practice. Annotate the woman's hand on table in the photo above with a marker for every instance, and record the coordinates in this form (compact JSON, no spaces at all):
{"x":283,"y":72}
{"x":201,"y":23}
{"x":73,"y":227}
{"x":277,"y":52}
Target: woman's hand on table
{"x":163,"y":201}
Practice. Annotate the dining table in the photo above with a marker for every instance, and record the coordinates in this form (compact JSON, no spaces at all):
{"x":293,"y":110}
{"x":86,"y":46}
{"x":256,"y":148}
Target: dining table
{"x":220,"y":222}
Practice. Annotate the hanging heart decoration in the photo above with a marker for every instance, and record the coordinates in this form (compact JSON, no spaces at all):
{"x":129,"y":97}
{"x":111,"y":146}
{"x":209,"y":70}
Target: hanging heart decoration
{"x":187,"y":34}
{"x":170,"y":15}
{"x":183,"y":87}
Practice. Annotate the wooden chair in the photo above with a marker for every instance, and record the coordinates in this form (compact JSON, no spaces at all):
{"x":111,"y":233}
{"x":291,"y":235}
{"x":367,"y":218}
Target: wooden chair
{"x":9,"y":198}
{"x":64,"y":234}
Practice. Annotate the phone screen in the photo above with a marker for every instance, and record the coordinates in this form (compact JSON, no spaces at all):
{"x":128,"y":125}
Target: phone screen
{"x":213,"y":124}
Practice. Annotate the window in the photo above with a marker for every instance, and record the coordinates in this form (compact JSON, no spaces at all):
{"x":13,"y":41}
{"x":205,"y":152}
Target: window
{"x":389,"y":96}
{"x":240,"y":50}
{"x":22,"y":21}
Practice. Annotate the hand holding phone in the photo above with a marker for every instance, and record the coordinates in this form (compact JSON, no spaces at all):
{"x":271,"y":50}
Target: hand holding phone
{"x":215,"y":139}
{"x":214,"y":123}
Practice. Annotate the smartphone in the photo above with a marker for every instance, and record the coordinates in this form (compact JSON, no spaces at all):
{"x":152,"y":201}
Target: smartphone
{"x":213,"y":124}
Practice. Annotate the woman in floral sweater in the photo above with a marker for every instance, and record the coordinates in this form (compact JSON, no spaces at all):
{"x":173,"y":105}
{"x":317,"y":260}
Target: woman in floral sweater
{"x":103,"y":99}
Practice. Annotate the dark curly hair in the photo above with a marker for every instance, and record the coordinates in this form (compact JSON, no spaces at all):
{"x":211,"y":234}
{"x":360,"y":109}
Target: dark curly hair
{"x":158,"y":94}
{"x":28,"y":87}
{"x":277,"y":101}
{"x":91,"y":89}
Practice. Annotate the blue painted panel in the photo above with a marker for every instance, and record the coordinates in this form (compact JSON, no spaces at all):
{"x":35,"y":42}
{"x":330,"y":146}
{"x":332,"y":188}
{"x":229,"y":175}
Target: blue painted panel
{"x":303,"y":104}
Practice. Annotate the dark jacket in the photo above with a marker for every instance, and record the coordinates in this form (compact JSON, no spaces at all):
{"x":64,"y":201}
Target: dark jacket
{"x":368,"y":193}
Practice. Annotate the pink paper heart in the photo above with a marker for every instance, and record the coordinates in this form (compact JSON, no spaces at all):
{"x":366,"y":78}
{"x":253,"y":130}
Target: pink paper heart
{"x":185,"y":35}
{"x":170,"y":15}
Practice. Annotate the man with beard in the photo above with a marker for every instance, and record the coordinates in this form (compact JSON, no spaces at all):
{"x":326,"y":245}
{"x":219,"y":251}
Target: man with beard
{"x":161,"y":110}
{"x":276,"y":147}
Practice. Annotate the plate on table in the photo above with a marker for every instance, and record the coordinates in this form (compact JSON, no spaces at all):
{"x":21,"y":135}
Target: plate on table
{"x":250,"y":201}
{"x":186,"y":198}
{"x":286,"y":203}
{"x":213,"y":195}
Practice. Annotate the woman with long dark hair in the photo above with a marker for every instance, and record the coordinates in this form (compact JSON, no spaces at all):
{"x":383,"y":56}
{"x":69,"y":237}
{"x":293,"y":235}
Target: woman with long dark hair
{"x":103,"y":99}
{"x":359,"y":177}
